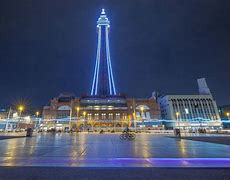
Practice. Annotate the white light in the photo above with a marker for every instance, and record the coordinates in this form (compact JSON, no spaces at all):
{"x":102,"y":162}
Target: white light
{"x":15,"y":115}
{"x":186,"y":111}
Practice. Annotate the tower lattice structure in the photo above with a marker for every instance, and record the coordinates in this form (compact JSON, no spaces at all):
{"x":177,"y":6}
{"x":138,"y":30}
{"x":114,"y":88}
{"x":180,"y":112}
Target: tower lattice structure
{"x":103,"y":81}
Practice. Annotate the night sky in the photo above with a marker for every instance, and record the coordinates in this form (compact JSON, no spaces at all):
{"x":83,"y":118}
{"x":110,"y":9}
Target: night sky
{"x":49,"y":46}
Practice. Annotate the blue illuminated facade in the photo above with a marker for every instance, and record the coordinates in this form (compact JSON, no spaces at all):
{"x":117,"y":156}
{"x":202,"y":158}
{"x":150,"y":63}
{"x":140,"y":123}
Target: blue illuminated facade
{"x":103,"y":81}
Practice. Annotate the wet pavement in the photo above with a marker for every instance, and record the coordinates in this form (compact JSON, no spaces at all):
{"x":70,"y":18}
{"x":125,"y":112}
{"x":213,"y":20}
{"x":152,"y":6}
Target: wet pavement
{"x":107,"y":150}
{"x":211,"y":139}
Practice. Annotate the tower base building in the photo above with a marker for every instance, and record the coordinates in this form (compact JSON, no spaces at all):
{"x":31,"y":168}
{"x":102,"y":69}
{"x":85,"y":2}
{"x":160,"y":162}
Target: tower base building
{"x":95,"y":113}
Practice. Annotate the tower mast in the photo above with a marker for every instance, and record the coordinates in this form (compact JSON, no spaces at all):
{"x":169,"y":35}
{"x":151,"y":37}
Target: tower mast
{"x":103,"y":81}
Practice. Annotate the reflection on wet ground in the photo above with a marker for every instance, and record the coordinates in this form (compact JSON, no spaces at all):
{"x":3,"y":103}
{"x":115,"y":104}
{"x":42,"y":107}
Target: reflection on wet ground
{"x":108,"y":150}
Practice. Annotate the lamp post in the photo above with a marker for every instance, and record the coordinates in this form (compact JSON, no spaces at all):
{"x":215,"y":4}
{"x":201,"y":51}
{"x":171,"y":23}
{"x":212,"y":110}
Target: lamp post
{"x":177,"y":119}
{"x":134,"y":118}
{"x":134,"y":115}
{"x":20,"y":109}
{"x":228,"y":114}
{"x":142,"y":111}
{"x":84,"y":113}
{"x":37,"y":114}
{"x":178,"y":133}
{"x":187,"y":117}
{"x":78,"y":109}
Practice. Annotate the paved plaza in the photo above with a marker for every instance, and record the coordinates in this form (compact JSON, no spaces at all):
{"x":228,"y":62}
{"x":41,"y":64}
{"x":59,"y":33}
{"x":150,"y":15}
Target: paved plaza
{"x":105,"y":156}
{"x":107,"y":150}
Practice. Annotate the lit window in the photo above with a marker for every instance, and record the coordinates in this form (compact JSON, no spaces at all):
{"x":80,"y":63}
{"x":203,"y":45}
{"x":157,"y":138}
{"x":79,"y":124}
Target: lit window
{"x":118,"y":116}
{"x":96,"y":116}
{"x":103,"y":115}
{"x":110,"y":115}
{"x":89,"y":116}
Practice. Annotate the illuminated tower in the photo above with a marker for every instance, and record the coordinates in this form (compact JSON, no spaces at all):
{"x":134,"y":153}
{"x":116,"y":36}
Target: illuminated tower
{"x":103,"y":83}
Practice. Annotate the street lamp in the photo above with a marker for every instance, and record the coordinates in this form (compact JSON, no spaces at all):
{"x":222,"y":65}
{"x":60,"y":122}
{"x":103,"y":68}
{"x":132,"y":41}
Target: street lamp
{"x":135,"y":123}
{"x":78,"y":109}
{"x":228,"y":114}
{"x":178,"y":121}
{"x":177,"y":118}
{"x":37,"y":113}
{"x":20,"y":109}
{"x":84,"y":113}
{"x":142,"y":111}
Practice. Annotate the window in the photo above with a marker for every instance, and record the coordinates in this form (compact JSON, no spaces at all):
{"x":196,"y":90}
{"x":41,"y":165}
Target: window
{"x":110,"y":115}
{"x":96,"y":116}
{"x":103,"y":115}
{"x":89,"y":116}
{"x":118,"y":116}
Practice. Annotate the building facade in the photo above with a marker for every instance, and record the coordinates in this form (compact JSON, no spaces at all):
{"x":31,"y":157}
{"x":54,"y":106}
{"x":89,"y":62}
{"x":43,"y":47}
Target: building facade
{"x":3,"y":114}
{"x":225,"y":115}
{"x":93,"y":112}
{"x":191,"y":110}
{"x":224,"y":112}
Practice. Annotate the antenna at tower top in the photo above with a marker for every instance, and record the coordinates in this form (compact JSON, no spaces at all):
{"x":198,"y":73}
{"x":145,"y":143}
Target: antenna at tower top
{"x":103,"y":11}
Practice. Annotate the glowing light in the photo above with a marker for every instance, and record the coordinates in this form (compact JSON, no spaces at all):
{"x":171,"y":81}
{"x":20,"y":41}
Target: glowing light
{"x":103,"y":22}
{"x":84,"y":113}
{"x":110,"y":71}
{"x":107,"y":55}
{"x":186,"y":111}
{"x":37,"y":113}
{"x":21,"y":108}
{"x":78,"y":108}
{"x":103,"y":11}
{"x":142,"y":108}
{"x":96,"y":70}
{"x":98,"y":58}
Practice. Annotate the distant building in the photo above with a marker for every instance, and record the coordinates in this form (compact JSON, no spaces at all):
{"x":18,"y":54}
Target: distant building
{"x":8,"y":114}
{"x":224,"y":112}
{"x":191,"y":110}
{"x":10,"y":120}
{"x":225,"y":115}
{"x":3,"y":114}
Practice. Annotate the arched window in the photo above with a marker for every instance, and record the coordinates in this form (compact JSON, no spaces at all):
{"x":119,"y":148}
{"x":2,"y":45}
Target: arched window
{"x":144,"y":107}
{"x":64,"y":108}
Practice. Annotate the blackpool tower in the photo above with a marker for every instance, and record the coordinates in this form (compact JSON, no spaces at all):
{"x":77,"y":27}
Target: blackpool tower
{"x":103,"y":82}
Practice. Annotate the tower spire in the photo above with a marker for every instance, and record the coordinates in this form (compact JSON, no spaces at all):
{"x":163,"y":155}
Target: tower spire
{"x":103,"y":82}
{"x":103,"y":11}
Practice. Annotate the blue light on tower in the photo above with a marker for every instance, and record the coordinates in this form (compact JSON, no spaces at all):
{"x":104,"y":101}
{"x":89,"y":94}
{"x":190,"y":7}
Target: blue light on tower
{"x":103,"y":82}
